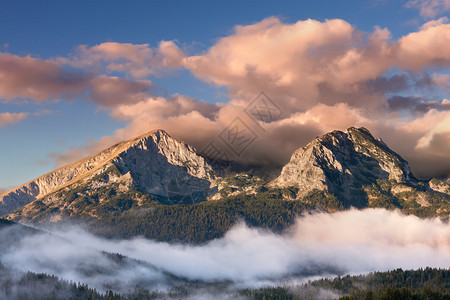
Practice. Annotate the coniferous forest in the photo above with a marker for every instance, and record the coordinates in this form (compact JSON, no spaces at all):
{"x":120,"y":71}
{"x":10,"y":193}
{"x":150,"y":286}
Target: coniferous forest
{"x":429,"y":283}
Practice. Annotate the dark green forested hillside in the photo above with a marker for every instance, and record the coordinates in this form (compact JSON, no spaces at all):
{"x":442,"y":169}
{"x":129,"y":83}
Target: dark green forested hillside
{"x":122,"y":217}
{"x":420,"y":284}
{"x":398,"y":284}
{"x":198,"y":223}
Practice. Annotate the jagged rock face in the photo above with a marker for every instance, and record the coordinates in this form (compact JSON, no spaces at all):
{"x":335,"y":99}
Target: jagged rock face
{"x":173,"y":167}
{"x":155,"y":162}
{"x":342,"y":163}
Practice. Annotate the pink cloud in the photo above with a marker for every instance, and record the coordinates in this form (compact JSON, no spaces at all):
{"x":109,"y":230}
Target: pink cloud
{"x":429,"y":8}
{"x":301,"y":62}
{"x":42,"y":80}
{"x":426,"y":48}
{"x":109,"y":91}
{"x":137,"y":60}
{"x":310,"y":62}
{"x":26,"y":77}
{"x":11,"y":118}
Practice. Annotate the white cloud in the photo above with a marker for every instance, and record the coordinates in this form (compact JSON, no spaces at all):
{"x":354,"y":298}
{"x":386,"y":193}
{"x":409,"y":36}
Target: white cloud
{"x":349,"y":242}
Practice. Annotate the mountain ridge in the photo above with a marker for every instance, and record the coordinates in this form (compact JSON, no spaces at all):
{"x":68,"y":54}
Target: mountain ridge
{"x":73,"y":172}
{"x":338,"y":170}
{"x":82,"y":160}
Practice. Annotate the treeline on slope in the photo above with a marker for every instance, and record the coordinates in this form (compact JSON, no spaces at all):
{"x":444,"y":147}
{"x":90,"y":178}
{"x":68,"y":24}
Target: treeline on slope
{"x":14,"y":285}
{"x":40,"y":286}
{"x":122,"y":217}
{"x":429,"y":283}
{"x":201,"y":222}
{"x":398,"y":284}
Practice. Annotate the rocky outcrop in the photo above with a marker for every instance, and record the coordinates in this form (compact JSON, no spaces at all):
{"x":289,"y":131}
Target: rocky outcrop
{"x":342,"y":163}
{"x":161,"y":165}
{"x":157,"y":163}
{"x":440,"y":186}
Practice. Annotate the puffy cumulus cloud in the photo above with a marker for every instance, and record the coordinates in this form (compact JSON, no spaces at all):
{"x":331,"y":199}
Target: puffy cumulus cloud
{"x":427,"y":47}
{"x":11,"y":118}
{"x":421,"y":140}
{"x":310,"y":62}
{"x":301,"y":63}
{"x":438,"y":137}
{"x":430,"y":8}
{"x":166,"y":108}
{"x":171,"y":54}
{"x":138,"y":60}
{"x":187,"y":118}
{"x":277,"y":140}
{"x":27,"y":77}
{"x":328,"y":118}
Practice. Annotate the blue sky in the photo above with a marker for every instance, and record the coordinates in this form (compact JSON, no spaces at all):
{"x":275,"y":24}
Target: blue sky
{"x":54,"y":30}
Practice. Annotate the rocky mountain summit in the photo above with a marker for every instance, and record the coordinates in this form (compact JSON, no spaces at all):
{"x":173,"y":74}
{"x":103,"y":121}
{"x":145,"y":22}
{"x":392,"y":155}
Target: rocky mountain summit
{"x":343,"y":162}
{"x":359,"y":169}
{"x":155,"y":163}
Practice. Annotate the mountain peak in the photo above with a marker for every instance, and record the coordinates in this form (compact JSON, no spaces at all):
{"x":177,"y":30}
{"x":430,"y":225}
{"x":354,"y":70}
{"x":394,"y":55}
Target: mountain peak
{"x":360,"y":133}
{"x":151,"y":159}
{"x":362,"y":130}
{"x":156,"y":132}
{"x":342,"y":162}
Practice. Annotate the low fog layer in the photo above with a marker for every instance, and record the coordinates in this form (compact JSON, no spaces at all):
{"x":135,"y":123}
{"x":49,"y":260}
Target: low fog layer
{"x":350,"y":242}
